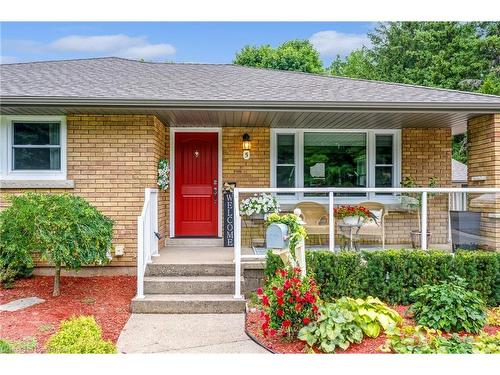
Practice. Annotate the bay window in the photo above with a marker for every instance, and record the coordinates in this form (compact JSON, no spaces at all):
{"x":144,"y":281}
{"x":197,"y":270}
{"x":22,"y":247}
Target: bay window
{"x":321,"y":159}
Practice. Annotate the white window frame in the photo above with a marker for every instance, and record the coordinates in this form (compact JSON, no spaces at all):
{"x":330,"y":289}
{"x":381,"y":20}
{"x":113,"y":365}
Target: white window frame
{"x":370,"y":157}
{"x":6,"y":146}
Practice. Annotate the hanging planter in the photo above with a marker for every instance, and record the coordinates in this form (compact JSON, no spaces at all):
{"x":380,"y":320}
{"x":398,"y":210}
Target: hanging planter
{"x":163,"y":177}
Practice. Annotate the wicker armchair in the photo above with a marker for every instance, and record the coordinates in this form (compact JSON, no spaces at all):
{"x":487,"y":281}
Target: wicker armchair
{"x":374,"y":227}
{"x":315,"y":217}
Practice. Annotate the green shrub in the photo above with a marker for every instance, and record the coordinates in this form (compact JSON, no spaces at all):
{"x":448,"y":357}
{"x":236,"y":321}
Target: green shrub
{"x":64,"y":229}
{"x":392,"y":275}
{"x":346,"y":321}
{"x":423,"y":340}
{"x":450,"y":306}
{"x":79,"y":335}
{"x":337,"y":276}
{"x":5,"y":347}
{"x":481,"y":269}
{"x":486,"y":344}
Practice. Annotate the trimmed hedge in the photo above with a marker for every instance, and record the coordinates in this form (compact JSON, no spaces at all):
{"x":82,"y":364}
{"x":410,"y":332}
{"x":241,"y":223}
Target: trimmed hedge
{"x":392,"y":275}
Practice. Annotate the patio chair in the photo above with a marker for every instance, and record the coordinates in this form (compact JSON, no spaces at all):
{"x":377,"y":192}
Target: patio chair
{"x":315,"y":217}
{"x":374,"y":227}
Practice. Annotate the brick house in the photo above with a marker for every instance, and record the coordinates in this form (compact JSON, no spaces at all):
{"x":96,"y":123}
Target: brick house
{"x":99,"y":127}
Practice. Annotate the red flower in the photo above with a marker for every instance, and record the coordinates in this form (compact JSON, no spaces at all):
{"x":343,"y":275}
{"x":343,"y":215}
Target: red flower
{"x":260,"y":291}
{"x":287,"y":284}
{"x":306,"y":320}
{"x":280,"y":301}
{"x":315,"y":308}
{"x":265,"y":301}
{"x":265,"y":326}
{"x":286,"y":323}
{"x":298,"y":307}
{"x":280,"y":313}
{"x":279,"y":293}
{"x":272,"y":332}
{"x":290,"y":299}
{"x":296,"y":270}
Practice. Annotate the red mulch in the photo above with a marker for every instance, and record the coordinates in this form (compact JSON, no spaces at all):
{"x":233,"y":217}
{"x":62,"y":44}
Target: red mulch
{"x":367,"y":346}
{"x":107,"y":298}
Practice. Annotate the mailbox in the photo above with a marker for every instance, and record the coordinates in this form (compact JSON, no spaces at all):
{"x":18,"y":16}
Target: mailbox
{"x":277,"y":236}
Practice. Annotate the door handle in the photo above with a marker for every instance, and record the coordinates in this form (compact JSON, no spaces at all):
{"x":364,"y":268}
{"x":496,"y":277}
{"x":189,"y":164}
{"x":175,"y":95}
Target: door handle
{"x":215,"y":191}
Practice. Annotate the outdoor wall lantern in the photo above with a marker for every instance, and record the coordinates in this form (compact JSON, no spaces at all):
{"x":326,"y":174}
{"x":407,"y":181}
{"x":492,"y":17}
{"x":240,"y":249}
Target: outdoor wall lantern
{"x":246,"y":146}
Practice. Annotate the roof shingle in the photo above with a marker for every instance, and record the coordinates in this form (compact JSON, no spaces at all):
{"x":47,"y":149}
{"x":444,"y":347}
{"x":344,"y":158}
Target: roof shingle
{"x":119,"y":78}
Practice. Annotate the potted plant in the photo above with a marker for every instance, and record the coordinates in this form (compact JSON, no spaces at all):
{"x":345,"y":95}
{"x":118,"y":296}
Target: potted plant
{"x":413,"y":201}
{"x":352,"y":215}
{"x":259,"y":206}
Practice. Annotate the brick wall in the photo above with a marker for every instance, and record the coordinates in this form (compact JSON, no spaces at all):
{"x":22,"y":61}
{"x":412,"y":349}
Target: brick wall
{"x":112,"y":159}
{"x":426,"y":153}
{"x":246,"y":173}
{"x":254,"y":172}
{"x":484,"y":163}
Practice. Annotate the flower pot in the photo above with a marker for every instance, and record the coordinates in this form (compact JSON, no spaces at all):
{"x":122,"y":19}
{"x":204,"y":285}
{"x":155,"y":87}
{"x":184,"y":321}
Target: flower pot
{"x":416,"y":238}
{"x":351,"y":220}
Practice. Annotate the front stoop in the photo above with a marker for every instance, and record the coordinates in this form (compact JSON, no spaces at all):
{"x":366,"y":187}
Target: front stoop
{"x":188,"y":289}
{"x":188,"y":304}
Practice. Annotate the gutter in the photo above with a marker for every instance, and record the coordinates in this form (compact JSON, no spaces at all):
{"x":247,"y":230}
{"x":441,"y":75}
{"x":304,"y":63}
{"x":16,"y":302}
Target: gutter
{"x":232,"y":105}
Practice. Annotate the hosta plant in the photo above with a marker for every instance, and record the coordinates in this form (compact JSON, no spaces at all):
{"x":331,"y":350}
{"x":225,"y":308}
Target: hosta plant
{"x":335,"y":328}
{"x":346,"y":321}
{"x":371,"y":314}
{"x":289,"y":303}
{"x":449,"y":306}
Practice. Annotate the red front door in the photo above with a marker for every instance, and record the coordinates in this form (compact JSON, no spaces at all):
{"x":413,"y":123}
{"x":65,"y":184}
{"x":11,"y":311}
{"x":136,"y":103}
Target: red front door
{"x":196,"y":184}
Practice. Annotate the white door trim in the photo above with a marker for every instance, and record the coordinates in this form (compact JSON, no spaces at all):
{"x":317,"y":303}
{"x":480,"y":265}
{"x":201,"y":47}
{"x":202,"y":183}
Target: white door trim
{"x":172,"y":173}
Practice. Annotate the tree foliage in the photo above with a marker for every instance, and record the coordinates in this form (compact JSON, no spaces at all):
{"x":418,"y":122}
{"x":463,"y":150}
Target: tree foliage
{"x":298,"y":55}
{"x":452,"y":55}
{"x":62,"y":229}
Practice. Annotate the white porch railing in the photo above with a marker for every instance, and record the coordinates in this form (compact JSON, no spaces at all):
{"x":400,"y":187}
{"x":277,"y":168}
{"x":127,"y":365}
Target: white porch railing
{"x":331,"y":203}
{"x":147,"y":242}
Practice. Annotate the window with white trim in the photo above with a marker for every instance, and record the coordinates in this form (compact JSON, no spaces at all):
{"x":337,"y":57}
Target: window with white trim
{"x":336,"y":158}
{"x":35,"y":147}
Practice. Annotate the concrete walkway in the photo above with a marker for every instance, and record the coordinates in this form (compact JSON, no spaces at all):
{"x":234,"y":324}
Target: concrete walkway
{"x":186,"y":333}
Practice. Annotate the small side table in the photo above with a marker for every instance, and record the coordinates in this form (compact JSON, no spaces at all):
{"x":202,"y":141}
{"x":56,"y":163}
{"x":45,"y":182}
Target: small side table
{"x":349,"y":232}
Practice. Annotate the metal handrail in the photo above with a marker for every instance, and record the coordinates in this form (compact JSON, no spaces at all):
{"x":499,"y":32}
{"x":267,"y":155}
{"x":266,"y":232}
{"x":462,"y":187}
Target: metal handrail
{"x":331,"y":202}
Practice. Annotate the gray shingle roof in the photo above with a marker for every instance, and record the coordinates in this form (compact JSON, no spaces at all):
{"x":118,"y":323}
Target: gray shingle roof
{"x":119,"y":78}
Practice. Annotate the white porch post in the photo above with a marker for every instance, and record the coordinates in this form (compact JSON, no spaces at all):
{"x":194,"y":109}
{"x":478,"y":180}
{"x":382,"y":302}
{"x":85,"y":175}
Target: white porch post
{"x":331,"y":221}
{"x":154,"y":224}
{"x":140,"y":258}
{"x":423,"y":226}
{"x":237,"y":245}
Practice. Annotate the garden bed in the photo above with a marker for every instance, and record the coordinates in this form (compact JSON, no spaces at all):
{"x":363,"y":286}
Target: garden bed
{"x":106,"y":298}
{"x":276,"y":344}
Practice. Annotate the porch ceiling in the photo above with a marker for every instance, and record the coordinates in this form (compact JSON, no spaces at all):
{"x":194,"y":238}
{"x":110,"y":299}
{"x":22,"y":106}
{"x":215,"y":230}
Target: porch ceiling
{"x":319,"y":119}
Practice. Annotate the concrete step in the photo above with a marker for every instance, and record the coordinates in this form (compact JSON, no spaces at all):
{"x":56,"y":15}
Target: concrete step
{"x":189,"y":284}
{"x":195,"y":242}
{"x":188,"y":304}
{"x":159,"y":269}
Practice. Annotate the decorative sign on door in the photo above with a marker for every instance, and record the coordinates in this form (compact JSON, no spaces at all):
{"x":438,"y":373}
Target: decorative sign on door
{"x":229,"y":214}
